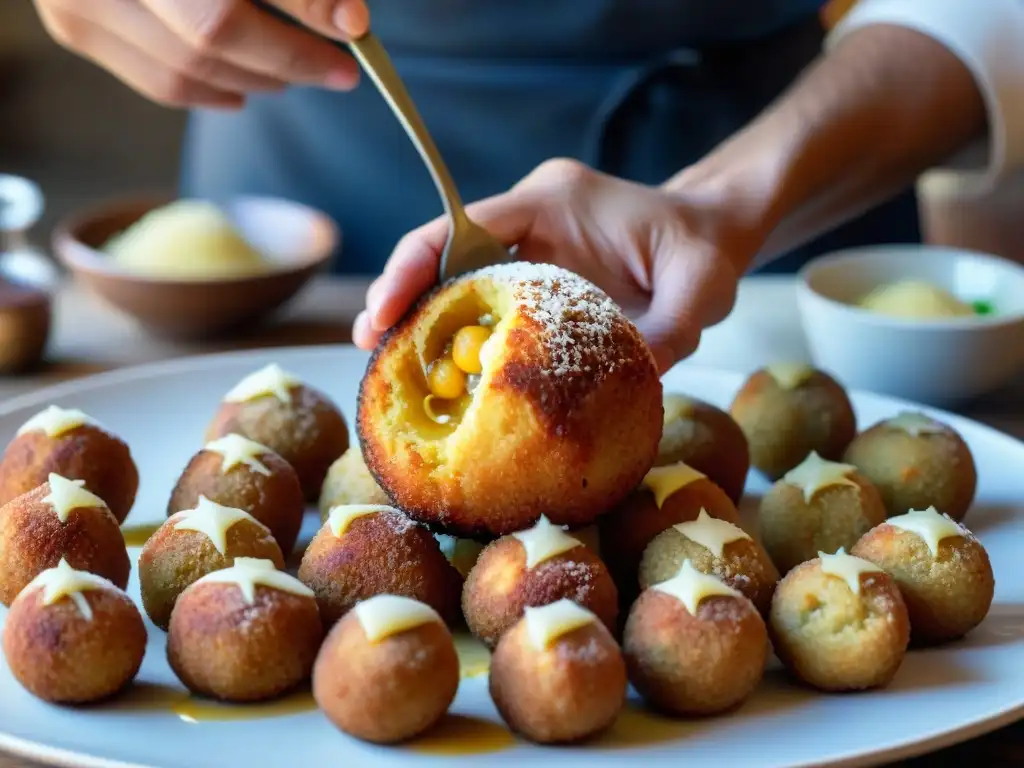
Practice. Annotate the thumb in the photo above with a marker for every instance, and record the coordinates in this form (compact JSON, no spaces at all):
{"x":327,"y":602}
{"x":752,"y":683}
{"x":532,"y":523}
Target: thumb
{"x":672,"y":323}
{"x":412,"y":268}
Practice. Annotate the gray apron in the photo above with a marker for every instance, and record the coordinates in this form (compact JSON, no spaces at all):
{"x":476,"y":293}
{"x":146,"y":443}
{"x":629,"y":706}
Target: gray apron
{"x":637,"y":88}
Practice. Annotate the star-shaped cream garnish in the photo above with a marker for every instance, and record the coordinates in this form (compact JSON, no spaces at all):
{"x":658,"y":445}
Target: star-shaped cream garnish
{"x":271,"y":380}
{"x":546,"y":623}
{"x":544,"y":541}
{"x":691,"y":586}
{"x":915,"y":424}
{"x":341,"y":516}
{"x":55,"y":421}
{"x":64,"y":581}
{"x":66,"y":495}
{"x":929,"y":524}
{"x":382,"y":616}
{"x":847,"y":567}
{"x":236,"y":450}
{"x":214,"y":520}
{"x":711,"y":533}
{"x":664,"y":481}
{"x":815,"y":474}
{"x":789,"y":375}
{"x":250,"y":572}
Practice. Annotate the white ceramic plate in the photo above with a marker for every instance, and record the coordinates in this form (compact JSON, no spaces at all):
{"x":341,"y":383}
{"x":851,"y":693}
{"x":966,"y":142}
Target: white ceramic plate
{"x":939,"y":696}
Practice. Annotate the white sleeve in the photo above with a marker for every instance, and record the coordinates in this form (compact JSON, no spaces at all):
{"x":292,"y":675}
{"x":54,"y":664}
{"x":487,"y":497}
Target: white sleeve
{"x":988,"y":37}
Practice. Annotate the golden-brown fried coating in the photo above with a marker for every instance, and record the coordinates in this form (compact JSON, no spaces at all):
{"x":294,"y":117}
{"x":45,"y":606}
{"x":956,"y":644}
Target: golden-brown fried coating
{"x":572,"y":691}
{"x":87,"y":452}
{"x":794,"y":530}
{"x":274,"y":498}
{"x":60,"y":656}
{"x":564,"y":421}
{"x":708,"y":439}
{"x":836,"y":640}
{"x":947,"y":594}
{"x":694,"y":665}
{"x":930,"y":469}
{"x":174,"y":559}
{"x":632,"y":525}
{"x":388,"y":691}
{"x":348,"y":481}
{"x":785,"y":423}
{"x":32,"y":539}
{"x":744,"y":565}
{"x":309,"y":432}
{"x":381,"y":553}
{"x":500,"y":587}
{"x":222,"y":647}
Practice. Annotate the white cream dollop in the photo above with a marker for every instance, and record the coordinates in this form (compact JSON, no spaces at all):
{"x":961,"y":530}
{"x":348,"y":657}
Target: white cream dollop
{"x":931,"y":526}
{"x":547,"y":623}
{"x":250,"y":572}
{"x":711,"y":533}
{"x":214,"y":520}
{"x":847,"y":567}
{"x":55,"y":421}
{"x":64,"y":581}
{"x":815,"y":474}
{"x":544,"y":541}
{"x":691,"y":587}
{"x":666,"y":480}
{"x":269,"y":381}
{"x":66,"y":495}
{"x":382,"y":616}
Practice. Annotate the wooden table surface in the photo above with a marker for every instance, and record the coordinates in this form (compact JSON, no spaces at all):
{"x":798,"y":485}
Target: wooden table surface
{"x":88,"y":338}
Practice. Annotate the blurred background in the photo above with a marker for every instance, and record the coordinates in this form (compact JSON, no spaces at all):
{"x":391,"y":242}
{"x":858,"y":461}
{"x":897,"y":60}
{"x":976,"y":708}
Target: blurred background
{"x":73,"y":128}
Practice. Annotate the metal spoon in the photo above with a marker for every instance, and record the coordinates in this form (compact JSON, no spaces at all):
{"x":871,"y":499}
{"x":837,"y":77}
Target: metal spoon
{"x":469,"y":246}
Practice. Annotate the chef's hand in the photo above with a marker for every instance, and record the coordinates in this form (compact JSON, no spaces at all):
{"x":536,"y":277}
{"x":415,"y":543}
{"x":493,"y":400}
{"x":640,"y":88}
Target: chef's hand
{"x":210,"y":53}
{"x":672,"y":264}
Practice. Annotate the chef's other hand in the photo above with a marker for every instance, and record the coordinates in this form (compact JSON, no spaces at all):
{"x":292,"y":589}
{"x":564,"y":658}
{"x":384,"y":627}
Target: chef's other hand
{"x":672,"y":265}
{"x":210,"y":53}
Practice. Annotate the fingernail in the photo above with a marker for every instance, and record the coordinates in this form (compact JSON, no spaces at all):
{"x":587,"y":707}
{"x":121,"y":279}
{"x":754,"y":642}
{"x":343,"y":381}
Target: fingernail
{"x":342,"y":79}
{"x":352,"y":18}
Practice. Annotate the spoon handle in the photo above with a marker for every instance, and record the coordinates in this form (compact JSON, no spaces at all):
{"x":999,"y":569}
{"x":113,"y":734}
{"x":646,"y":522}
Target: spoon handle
{"x":375,"y":60}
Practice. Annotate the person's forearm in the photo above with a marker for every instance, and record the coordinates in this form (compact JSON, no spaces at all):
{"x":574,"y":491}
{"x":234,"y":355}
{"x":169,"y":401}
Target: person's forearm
{"x":858,"y":127}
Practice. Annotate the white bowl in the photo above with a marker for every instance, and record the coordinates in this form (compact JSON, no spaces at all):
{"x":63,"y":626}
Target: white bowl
{"x":939,"y":362}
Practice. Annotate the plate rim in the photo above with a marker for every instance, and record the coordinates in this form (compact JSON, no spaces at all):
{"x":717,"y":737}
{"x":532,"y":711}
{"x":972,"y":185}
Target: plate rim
{"x":19,"y":747}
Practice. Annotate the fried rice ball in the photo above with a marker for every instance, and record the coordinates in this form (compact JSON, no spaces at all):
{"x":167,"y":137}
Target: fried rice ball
{"x":293,"y":419}
{"x":510,"y":392}
{"x":835,"y":638}
{"x":706,"y":438}
{"x":365,"y":550}
{"x":788,"y":410}
{"x":694,"y":664}
{"x":916,"y":462}
{"x":59,"y":519}
{"x":388,"y":670}
{"x":348,"y":481}
{"x":558,"y":676}
{"x":71,"y":444}
{"x":241,"y":473}
{"x":942,"y":570}
{"x":808,"y":512}
{"x":72,"y":637}
{"x":193,"y":543}
{"x":627,"y":530}
{"x":246,"y":633}
{"x":714,"y":547}
{"x":522,"y":570}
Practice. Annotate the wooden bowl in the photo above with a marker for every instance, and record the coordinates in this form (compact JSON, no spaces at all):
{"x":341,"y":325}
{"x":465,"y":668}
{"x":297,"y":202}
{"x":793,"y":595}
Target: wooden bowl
{"x":298,"y":240}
